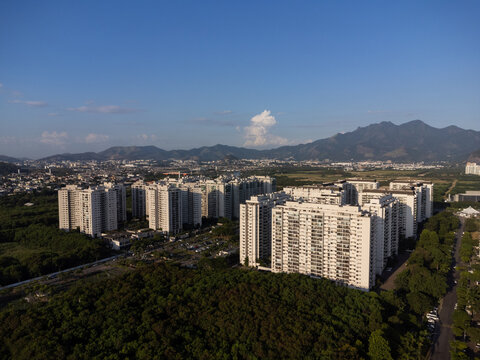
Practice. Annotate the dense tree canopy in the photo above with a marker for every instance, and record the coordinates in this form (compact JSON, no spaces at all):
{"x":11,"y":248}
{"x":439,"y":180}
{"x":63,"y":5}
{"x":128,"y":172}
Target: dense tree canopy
{"x":424,"y":281}
{"x":164,"y":311}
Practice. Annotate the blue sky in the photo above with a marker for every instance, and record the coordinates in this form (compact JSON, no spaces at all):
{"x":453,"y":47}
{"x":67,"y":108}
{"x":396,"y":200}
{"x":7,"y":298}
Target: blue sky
{"x":86,"y":75}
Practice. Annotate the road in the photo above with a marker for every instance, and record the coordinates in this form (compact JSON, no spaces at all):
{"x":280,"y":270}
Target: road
{"x":55,"y":274}
{"x":400,"y":265}
{"x":445,"y":196}
{"x":441,"y":345}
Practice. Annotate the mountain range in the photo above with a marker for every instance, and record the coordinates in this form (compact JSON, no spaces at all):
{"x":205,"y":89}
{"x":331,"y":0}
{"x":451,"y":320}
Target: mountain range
{"x":411,"y":141}
{"x":475,"y":157}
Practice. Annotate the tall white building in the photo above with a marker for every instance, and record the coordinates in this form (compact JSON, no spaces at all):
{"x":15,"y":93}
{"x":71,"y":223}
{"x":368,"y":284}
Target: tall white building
{"x":222,"y":197}
{"x":121,"y":193}
{"x":331,"y":241}
{"x":69,"y":207}
{"x":256,"y":227}
{"x":93,"y":210}
{"x":472,"y":168}
{"x":139,"y":196}
{"x":424,"y":191}
{"x":407,"y":207}
{"x":191,"y":204}
{"x":200,"y":197}
{"x":386,"y":223}
{"x":165,"y":208}
{"x":98,"y":211}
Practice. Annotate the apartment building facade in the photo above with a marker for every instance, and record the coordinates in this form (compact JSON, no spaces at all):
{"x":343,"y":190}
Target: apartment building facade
{"x":472,"y":168}
{"x":256,"y":227}
{"x":165,"y":208}
{"x":336,"y":242}
{"x":92,"y":211}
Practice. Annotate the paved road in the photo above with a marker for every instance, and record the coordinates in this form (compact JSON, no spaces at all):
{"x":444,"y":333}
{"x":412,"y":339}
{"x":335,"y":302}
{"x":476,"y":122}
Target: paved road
{"x":55,"y":274}
{"x":400,"y":265}
{"x":441,"y":346}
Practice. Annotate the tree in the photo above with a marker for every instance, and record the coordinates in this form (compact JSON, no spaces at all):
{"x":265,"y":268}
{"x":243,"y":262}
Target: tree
{"x":461,"y":322}
{"x":457,"y":350}
{"x":378,"y":347}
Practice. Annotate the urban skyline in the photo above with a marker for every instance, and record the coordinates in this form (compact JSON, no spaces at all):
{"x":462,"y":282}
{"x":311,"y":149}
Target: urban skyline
{"x":88,"y":76}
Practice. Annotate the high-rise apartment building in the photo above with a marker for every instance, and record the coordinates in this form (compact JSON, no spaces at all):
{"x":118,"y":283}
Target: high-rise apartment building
{"x":165,"y":208}
{"x":69,"y":207}
{"x":256,"y":227}
{"x":386,"y":222}
{"x":472,"y":168}
{"x":424,"y":191}
{"x":191,"y":204}
{"x":219,"y":197}
{"x":121,"y":194}
{"x":332,"y":241}
{"x":139,"y":197}
{"x":93,"y":210}
{"x":98,"y":211}
{"x":407,"y":208}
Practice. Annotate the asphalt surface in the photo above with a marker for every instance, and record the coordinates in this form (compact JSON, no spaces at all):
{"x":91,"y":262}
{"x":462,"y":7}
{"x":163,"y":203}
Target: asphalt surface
{"x":444,"y":334}
{"x":400,"y":265}
{"x":55,"y":274}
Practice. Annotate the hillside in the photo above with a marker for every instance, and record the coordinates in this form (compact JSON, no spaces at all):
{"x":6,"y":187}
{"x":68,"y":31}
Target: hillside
{"x":9,"y":159}
{"x":6,"y":168}
{"x":475,"y":157}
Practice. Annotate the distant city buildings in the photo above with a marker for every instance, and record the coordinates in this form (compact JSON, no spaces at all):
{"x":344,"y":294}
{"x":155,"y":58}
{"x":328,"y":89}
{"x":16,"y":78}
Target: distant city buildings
{"x":472,"y":168}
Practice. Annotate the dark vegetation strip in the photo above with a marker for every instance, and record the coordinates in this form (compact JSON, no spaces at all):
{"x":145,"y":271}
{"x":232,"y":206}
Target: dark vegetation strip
{"x":31,"y":244}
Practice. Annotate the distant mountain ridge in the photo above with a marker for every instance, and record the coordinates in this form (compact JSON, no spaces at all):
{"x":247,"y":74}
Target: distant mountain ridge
{"x":475,"y":157}
{"x":9,"y":159}
{"x":411,"y":141}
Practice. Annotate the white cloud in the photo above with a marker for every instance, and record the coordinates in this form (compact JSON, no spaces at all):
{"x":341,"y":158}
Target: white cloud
{"x":54,"y":138}
{"x":105,"y":109}
{"x":29,"y":103}
{"x":96,"y":138}
{"x":256,"y":134}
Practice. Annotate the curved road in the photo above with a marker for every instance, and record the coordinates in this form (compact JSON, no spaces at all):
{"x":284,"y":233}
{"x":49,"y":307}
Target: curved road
{"x":441,"y":345}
